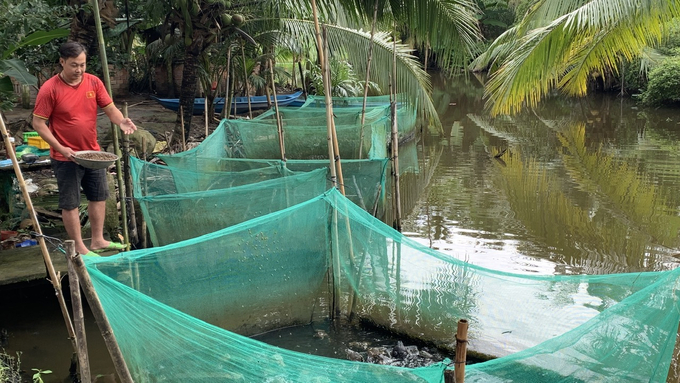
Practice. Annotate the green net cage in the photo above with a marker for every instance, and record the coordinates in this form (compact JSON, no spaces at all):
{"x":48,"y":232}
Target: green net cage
{"x":202,"y":202}
{"x":366,"y":180}
{"x":187,"y":311}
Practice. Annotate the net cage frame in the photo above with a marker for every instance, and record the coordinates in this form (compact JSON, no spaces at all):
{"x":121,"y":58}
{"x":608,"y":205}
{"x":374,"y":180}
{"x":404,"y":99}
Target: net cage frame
{"x":610,"y":328}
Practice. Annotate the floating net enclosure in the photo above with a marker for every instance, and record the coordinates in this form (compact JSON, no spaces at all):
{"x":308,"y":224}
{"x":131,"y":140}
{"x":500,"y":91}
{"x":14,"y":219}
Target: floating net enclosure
{"x":179,"y":204}
{"x":184,"y":311}
{"x":305,"y":134}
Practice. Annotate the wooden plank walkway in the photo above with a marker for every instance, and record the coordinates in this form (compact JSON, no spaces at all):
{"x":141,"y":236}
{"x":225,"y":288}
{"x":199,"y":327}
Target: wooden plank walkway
{"x":23,"y":264}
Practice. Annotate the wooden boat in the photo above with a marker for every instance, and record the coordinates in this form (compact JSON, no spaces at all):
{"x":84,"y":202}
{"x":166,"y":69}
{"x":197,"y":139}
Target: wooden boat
{"x":241,"y":103}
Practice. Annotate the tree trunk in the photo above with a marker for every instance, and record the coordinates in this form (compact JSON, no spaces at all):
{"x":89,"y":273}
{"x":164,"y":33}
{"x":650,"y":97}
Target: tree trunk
{"x":189,"y":82}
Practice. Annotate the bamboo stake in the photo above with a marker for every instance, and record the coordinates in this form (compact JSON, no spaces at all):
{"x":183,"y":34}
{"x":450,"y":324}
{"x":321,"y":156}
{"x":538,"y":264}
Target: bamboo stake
{"x":181,"y":121}
{"x":54,"y":276}
{"x":395,"y":135}
{"x":461,"y":350}
{"x":101,"y":319}
{"x":336,"y":147}
{"x":114,"y":131}
{"x":279,"y":123}
{"x":143,"y":231}
{"x":329,"y":101}
{"x":293,"y":81}
{"x":227,"y":96}
{"x":368,"y":77}
{"x":205,"y":115}
{"x":78,"y":316}
{"x":134,"y":236}
{"x":302,"y":79}
{"x":245,"y":79}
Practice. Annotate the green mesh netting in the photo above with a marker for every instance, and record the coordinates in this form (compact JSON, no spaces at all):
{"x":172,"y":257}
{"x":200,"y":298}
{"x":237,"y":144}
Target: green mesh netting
{"x":182,"y":312}
{"x":341,"y":102}
{"x":366,"y":181}
{"x":305,"y":134}
{"x":179,"y":204}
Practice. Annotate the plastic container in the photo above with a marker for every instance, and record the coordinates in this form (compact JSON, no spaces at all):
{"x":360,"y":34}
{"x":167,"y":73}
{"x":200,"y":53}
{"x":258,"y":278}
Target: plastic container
{"x":27,"y":135}
{"x":38,"y":142}
{"x":7,"y":234}
{"x":27,"y":243}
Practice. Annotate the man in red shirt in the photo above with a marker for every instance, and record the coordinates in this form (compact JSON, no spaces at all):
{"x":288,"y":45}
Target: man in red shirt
{"x":65,"y":116}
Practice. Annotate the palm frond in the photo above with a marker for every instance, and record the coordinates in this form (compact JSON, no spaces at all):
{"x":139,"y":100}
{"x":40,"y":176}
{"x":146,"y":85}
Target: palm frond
{"x":352,"y":45}
{"x":564,"y":52}
{"x":449,"y":27}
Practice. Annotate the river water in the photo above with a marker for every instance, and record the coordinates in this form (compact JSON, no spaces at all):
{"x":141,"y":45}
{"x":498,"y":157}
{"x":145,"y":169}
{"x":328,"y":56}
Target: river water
{"x":576,"y":186}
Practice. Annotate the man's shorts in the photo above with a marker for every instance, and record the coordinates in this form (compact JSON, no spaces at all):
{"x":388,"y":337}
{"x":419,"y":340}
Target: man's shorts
{"x":71,"y":177}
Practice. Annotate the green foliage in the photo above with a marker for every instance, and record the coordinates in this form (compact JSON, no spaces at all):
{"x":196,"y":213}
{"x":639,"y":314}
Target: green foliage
{"x":27,"y":31}
{"x":634,"y":76}
{"x":664,"y":84}
{"x":671,"y":44}
{"x":10,"y":368}
{"x":495,"y":18}
{"x":520,"y":7}
{"x":344,"y":82}
{"x":37,"y":377}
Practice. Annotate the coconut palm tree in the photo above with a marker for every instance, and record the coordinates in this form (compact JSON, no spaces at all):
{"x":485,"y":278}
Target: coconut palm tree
{"x":449,"y":27}
{"x":560,"y":44}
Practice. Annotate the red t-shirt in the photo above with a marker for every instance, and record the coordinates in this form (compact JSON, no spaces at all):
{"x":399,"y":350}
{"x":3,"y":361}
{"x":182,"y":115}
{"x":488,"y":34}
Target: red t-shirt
{"x":71,"y":111}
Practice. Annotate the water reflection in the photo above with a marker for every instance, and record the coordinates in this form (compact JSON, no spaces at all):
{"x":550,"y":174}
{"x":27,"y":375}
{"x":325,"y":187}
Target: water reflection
{"x":575,"y":186}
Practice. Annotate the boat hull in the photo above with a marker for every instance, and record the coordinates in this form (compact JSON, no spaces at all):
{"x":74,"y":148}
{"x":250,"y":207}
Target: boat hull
{"x":240,"y":103}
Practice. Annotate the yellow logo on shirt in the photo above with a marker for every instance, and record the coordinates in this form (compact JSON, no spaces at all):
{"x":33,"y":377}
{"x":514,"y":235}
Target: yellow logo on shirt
{"x":90,"y":94}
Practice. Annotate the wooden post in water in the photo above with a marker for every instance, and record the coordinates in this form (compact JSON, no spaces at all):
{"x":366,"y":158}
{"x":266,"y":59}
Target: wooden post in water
{"x":101,"y":319}
{"x":78,"y":317}
{"x":461,"y":350}
{"x":395,"y":134}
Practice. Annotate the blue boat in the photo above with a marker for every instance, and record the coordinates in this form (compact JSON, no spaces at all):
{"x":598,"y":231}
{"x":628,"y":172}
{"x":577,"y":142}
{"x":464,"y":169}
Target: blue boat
{"x":241,"y":103}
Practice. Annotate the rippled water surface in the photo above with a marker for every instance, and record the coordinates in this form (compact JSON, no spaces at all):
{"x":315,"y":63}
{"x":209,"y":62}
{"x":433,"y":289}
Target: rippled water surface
{"x":576,"y":186}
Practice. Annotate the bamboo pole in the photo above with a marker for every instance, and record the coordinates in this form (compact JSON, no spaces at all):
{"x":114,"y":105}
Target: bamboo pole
{"x":293,"y":80}
{"x":329,"y":100}
{"x":134,"y":235}
{"x":302,"y":78}
{"x":336,"y":147}
{"x":101,"y":319}
{"x":205,"y":115}
{"x":461,"y":350}
{"x":279,"y":123}
{"x":368,"y":77}
{"x":114,"y":131}
{"x":395,"y":134}
{"x":181,"y":121}
{"x":227,"y":96}
{"x":78,"y":316}
{"x":245,"y":79}
{"x":54,"y":276}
